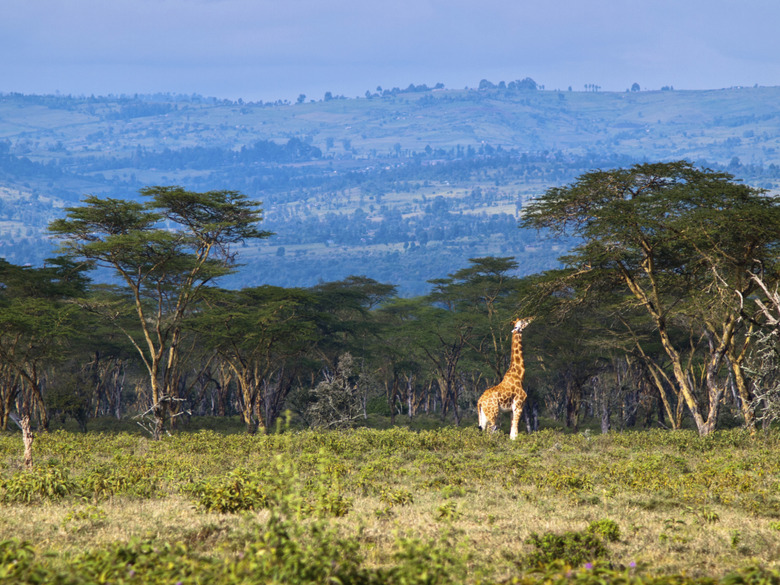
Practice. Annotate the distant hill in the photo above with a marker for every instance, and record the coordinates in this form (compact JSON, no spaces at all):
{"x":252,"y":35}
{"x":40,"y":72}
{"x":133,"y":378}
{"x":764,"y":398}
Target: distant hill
{"x":402,"y":187}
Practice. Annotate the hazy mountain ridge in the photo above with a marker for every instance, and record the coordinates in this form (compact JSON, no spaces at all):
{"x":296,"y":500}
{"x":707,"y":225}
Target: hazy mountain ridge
{"x":368,"y":185}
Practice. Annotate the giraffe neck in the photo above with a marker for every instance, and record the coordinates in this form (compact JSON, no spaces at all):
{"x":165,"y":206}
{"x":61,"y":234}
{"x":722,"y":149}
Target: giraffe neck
{"x":518,"y":365}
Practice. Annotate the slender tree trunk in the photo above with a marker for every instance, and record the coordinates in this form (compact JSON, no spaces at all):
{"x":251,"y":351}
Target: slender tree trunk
{"x":443,"y":395}
{"x":410,"y":408}
{"x":249,"y":405}
{"x":391,"y":390}
{"x":159,"y":421}
{"x":605,"y":423}
{"x":527,"y":417}
{"x":158,"y":403}
{"x":117,"y":385}
{"x":31,"y":380}
{"x":9,"y":390}
{"x":159,"y":411}
{"x":573,"y":403}
{"x":660,"y":413}
{"x":743,"y":390}
{"x":27,"y":437}
{"x":224,"y":379}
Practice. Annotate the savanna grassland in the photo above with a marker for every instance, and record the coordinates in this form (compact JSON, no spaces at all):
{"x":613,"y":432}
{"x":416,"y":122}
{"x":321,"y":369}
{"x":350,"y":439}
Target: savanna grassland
{"x":393,"y":506}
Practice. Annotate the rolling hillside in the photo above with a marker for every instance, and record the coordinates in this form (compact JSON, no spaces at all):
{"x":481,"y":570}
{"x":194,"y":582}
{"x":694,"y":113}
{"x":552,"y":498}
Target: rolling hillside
{"x":402,"y":187}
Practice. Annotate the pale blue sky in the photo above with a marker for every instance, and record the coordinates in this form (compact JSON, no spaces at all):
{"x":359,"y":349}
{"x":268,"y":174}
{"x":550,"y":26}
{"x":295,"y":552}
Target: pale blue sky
{"x":260,"y":49}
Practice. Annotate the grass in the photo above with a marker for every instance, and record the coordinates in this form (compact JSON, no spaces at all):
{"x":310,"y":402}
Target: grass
{"x":681,"y":504}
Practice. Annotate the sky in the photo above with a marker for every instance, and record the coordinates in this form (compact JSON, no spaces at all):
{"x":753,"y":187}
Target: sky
{"x":277,"y":49}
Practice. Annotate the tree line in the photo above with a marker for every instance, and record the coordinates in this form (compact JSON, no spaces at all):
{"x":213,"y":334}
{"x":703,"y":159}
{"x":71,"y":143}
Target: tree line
{"x":666,"y":313}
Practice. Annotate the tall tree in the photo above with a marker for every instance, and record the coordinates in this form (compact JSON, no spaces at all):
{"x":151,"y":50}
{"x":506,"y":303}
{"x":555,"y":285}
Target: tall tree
{"x":682,"y":243}
{"x":164,"y":252}
{"x":405,"y":367}
{"x":487,"y":288}
{"x":35,"y":321}
{"x":261,"y":334}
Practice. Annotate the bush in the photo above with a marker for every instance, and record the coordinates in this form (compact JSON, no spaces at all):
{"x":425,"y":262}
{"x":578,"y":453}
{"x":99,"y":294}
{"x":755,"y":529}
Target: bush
{"x":15,"y":559}
{"x":39,"y":483}
{"x":339,"y":399}
{"x":575,"y":547}
{"x":239,"y":491}
{"x":147,"y":562}
{"x":606,"y":529}
{"x":292,"y":553}
{"x":426,"y":563}
{"x":129,"y":478}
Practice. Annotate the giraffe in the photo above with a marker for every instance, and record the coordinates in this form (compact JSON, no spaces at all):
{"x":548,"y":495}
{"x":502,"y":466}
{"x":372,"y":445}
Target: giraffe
{"x":509,"y":394}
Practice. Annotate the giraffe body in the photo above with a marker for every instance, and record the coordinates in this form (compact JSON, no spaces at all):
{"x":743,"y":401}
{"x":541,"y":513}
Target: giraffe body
{"x":509,"y":393}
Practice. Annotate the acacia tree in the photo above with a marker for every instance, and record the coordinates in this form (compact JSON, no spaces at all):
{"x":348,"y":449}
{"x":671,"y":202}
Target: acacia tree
{"x":487,"y":289}
{"x":442,"y":332}
{"x":682,"y":243}
{"x":35,"y":321}
{"x":260,"y":334}
{"x":763,"y":361}
{"x":164,"y":252}
{"x":348,"y":322}
{"x":403,"y":361}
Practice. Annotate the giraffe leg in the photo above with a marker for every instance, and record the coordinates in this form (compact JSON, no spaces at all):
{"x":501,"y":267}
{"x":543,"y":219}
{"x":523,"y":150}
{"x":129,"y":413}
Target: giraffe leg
{"x":482,"y":418}
{"x":495,"y":412}
{"x":517,"y":409}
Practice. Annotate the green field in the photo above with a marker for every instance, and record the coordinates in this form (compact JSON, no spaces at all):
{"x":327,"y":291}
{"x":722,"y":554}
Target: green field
{"x":447,"y":505}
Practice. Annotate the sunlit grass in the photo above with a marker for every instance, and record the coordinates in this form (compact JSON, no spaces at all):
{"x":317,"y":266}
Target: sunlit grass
{"x":703,"y":506}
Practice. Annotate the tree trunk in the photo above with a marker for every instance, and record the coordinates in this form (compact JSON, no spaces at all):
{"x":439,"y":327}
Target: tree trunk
{"x":224,"y":379}
{"x":573,"y":403}
{"x":605,"y":424}
{"x":251,"y":425}
{"x":531,"y":416}
{"x":249,"y":408}
{"x":9,"y":389}
{"x":715,"y":389}
{"x":28,"y":437}
{"x":117,"y":385}
{"x":260,"y":413}
{"x":630,"y":408}
{"x":443,"y":396}
{"x":658,"y":377}
{"x":391,"y":392}
{"x":159,"y":421}
{"x":745,"y":395}
{"x":36,"y":394}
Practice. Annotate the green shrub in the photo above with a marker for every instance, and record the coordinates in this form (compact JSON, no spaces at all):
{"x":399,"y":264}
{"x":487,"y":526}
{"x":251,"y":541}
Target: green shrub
{"x":448,"y":511}
{"x":293,"y":553}
{"x":398,"y":497}
{"x":36,"y":484}
{"x":84,"y":517}
{"x":606,"y":529}
{"x":426,"y":563}
{"x":573,"y":548}
{"x":128,"y":479}
{"x":333,"y":504}
{"x":15,"y":559}
{"x":601,"y":573}
{"x":147,"y":562}
{"x":239,"y":491}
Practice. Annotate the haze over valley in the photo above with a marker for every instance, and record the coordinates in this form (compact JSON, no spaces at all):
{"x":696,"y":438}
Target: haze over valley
{"x":401,"y":185}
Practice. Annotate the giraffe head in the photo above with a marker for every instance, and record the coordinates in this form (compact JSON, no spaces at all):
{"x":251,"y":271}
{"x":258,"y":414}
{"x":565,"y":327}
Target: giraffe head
{"x":521,"y":324}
